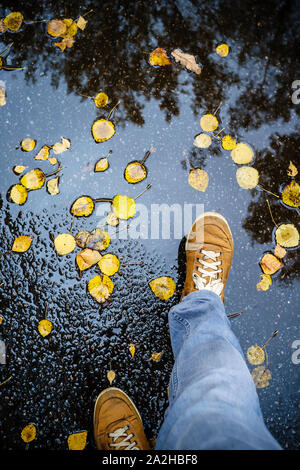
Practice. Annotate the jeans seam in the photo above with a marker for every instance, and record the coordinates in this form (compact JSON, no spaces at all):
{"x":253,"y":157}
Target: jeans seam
{"x":174,"y":378}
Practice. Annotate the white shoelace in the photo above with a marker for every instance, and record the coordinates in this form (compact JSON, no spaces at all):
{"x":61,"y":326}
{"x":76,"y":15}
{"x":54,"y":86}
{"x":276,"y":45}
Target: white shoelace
{"x":121,"y":432}
{"x":213,"y":284}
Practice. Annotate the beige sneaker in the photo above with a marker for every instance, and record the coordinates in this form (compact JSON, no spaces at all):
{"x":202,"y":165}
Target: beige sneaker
{"x":209,"y":251}
{"x":117,"y":422}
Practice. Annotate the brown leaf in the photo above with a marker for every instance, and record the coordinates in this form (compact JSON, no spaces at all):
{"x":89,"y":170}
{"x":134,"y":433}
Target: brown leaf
{"x":292,"y":170}
{"x":3,"y":27}
{"x":279,"y":252}
{"x":186,"y":60}
{"x":81,"y":23}
{"x":270,"y":264}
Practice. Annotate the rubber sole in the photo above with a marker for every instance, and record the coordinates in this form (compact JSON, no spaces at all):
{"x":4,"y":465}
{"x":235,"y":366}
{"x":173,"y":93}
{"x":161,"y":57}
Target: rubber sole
{"x":215,"y":214}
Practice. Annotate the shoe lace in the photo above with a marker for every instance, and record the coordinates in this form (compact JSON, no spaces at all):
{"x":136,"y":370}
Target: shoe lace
{"x":214,"y":283}
{"x":121,"y":432}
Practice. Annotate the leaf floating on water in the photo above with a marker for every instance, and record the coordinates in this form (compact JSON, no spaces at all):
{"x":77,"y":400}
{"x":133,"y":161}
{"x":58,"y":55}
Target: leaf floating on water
{"x":228,"y":142}
{"x":34,"y":179}
{"x":22,"y":244}
{"x":287,"y":236}
{"x":77,"y":441}
{"x":132,"y":349}
{"x":255,"y":355}
{"x":222,"y":50}
{"x":209,"y":122}
{"x":53,"y":160}
{"x":279,"y":252}
{"x":14,"y":21}
{"x":247,"y":177}
{"x":87,"y":258}
{"x":28,"y":434}
{"x":264,"y":283}
{"x":18,"y":194}
{"x":18,"y":169}
{"x":3,"y":27}
{"x":101,"y":165}
{"x":45,"y":327}
{"x":28,"y":144}
{"x":156,"y":356}
{"x":291,"y":194}
{"x":62,"y":146}
{"x":202,"y":141}
{"x":111,"y":375}
{"x":163,"y":287}
{"x":56,"y":28}
{"x":103,"y":130}
{"x":71,"y":28}
{"x":52,"y":186}
{"x":81,"y":23}
{"x":64,"y":243}
{"x":159,"y":57}
{"x":109,"y":264}
{"x":43,"y":153}
{"x":186,"y":60}
{"x":98,"y":239}
{"x":67,"y":42}
{"x":261,"y":376}
{"x":292,"y":170}
{"x":112,"y":220}
{"x":135,"y":172}
{"x":83,"y":206}
{"x":81,"y":238}
{"x":101,"y":100}
{"x":198,"y":179}
{"x":270,"y":264}
{"x":242,"y":154}
{"x":100,"y":287}
{"x":123,"y":207}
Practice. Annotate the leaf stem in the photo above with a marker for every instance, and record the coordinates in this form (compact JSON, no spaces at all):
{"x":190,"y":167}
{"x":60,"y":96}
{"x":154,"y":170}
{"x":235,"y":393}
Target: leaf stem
{"x":271,"y":213}
{"x":129,"y":264}
{"x":103,"y":199}
{"x":7,"y":49}
{"x":13,"y":68}
{"x":269,"y":339}
{"x":146,"y":189}
{"x":5,"y":381}
{"x":267,"y":191}
{"x":234,"y":315}
{"x":219,"y":106}
{"x":146,"y":156}
{"x":54,"y":172}
{"x":117,"y":104}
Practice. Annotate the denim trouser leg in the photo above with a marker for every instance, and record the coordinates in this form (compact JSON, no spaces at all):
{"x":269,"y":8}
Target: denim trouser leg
{"x":213,"y":400}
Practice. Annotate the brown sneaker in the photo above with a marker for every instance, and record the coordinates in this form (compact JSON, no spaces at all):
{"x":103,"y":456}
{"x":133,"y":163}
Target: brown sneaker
{"x":209,"y":251}
{"x":117,"y":422}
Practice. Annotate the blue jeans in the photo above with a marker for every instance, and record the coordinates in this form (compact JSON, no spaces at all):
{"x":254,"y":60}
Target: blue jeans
{"x":213,"y":400}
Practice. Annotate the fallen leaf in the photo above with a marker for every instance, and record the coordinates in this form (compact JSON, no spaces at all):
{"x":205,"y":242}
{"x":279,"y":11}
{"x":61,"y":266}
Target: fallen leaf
{"x":28,"y":434}
{"x":264,"y":283}
{"x":242,"y":154}
{"x":81,"y":23}
{"x":2,"y":90}
{"x":255,"y":355}
{"x":222,"y":50}
{"x":156,"y":356}
{"x":52,"y":186}
{"x":64,"y":243}
{"x":87,"y":258}
{"x":228,"y":142}
{"x":112,"y":220}
{"x":18,"y":194}
{"x":67,"y":42}
{"x":291,"y":194}
{"x":100,"y":287}
{"x":71,"y":28}
{"x":18,"y":169}
{"x":52,"y":160}
{"x":101,"y":165}
{"x":81,"y":238}
{"x":14,"y":21}
{"x":22,"y":243}
{"x":28,"y":144}
{"x":83,"y":206}
{"x":261,"y":376}
{"x":279,"y":252}
{"x":163,"y":287}
{"x":202,"y":141}
{"x":111,"y":375}
{"x":109,"y":264}
{"x":123,"y":207}
{"x":132,"y":349}
{"x":62,"y":146}
{"x":103,"y":130}
{"x":287,"y":236}
{"x":33,"y":180}
{"x":135,"y":172}
{"x":45,"y":327}
{"x":270,"y":264}
{"x":56,"y":28}
{"x":247,"y":177}
{"x":292,"y":170}
{"x":159,"y":57}
{"x":101,"y":100}
{"x":186,"y":60}
{"x":43,"y":153}
{"x":77,"y":441}
{"x":198,"y":179}
{"x":209,"y":122}
{"x":3,"y":27}
{"x":98,"y":239}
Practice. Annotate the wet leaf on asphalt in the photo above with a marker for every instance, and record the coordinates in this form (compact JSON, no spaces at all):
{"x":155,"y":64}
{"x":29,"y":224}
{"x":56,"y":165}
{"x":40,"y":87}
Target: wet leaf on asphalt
{"x":186,"y":60}
{"x":14,"y":21}
{"x":228,"y":142}
{"x":56,"y":28}
{"x":131,"y":348}
{"x":64,"y":243}
{"x":287,"y":235}
{"x":22,"y":243}
{"x":291,"y":194}
{"x":87,"y":258}
{"x":261,"y":376}
{"x":112,"y":220}
{"x":83,"y":206}
{"x":242,"y":154}
{"x":209,"y":122}
{"x":101,"y":100}
{"x":292,"y":170}
{"x":198,"y":179}
{"x":28,"y":433}
{"x":111,"y":375}
{"x":102,"y":130}
{"x":109,"y":264}
{"x":18,"y":169}
{"x":43,"y":154}
{"x":71,"y":28}
{"x":123,"y":207}
{"x":101,"y":165}
{"x":77,"y":441}
{"x":222,"y":50}
{"x":247,"y":177}
{"x":98,"y":239}
{"x":265,"y":282}
{"x":100,"y":287}
{"x":45,"y":327}
{"x":255,"y":355}
{"x":33,"y":180}
{"x":156,"y":356}
{"x":28,"y":144}
{"x":270,"y":264}
{"x":163,"y":287}
{"x":62,"y":146}
{"x":202,"y":141}
{"x":18,"y":194}
{"x":159,"y":57}
{"x":81,"y":23}
{"x":135,"y":172}
{"x":65,"y":43}
{"x":52,"y":186}
{"x":279,"y":252}
{"x":81,"y":238}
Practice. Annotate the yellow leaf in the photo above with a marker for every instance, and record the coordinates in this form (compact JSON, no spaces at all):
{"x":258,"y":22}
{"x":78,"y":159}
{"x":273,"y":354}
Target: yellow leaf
{"x":71,"y":28}
{"x":198,"y":179}
{"x":279,"y":252}
{"x":52,"y":186}
{"x":43,"y":153}
{"x":202,"y":141}
{"x":56,"y":28}
{"x":123,"y":207}
{"x":77,"y":441}
{"x":64,"y":243}
{"x":156,"y":356}
{"x":45,"y":327}
{"x":264,"y":283}
{"x":292,"y":170}
{"x":2,"y":89}
{"x":101,"y":100}
{"x":18,"y":194}
{"x":255,"y":355}
{"x":261,"y":376}
{"x":270,"y":264}
{"x":28,"y":144}
{"x":100,"y":287}
{"x":62,"y":146}
{"x":87,"y":258}
{"x":163,"y":287}
{"x":81,"y":23}
{"x":242,"y":154}
{"x":209,"y":122}
{"x":14,"y":21}
{"x":18,"y":169}
{"x":81,"y":238}
{"x":28,"y":433}
{"x":34,"y":179}
{"x":98,"y":239}
{"x":132,"y":349}
{"x":291,"y":194}
{"x":222,"y":50}
{"x":83,"y":206}
{"x":112,"y":220}
{"x":287,"y":235}
{"x":3,"y":28}
{"x":135,"y":172}
{"x":101,"y":165}
{"x":186,"y":60}
{"x":109,"y":264}
{"x":52,"y":160}
{"x":22,"y":243}
{"x":111,"y":375}
{"x":102,"y":130}
{"x":67,"y":42}
{"x":247,"y":177}
{"x":228,"y":142}
{"x":159,"y":57}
